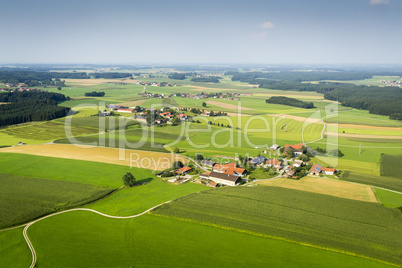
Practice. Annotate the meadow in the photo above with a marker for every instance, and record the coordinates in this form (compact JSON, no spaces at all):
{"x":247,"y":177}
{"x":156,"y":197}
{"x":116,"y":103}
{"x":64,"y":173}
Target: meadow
{"x":158,"y":241}
{"x":14,"y":251}
{"x":391,"y":165}
{"x":23,"y":198}
{"x":379,"y":181}
{"x":389,"y":199}
{"x":362,"y":228}
{"x":69,"y":170}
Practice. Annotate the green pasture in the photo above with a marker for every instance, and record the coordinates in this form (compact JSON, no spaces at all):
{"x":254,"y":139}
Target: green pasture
{"x":388,"y":198}
{"x":134,"y":200}
{"x":23,"y":198}
{"x":14,"y":251}
{"x":346,"y":225}
{"x":40,"y":132}
{"x":157,"y":241}
{"x":94,"y":173}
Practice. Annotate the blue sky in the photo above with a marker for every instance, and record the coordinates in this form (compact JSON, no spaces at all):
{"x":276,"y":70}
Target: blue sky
{"x":268,"y":32}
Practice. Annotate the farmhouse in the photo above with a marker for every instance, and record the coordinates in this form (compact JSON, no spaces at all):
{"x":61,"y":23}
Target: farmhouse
{"x":225,"y":179}
{"x":317,"y":169}
{"x":274,"y":147}
{"x":229,"y":169}
{"x":298,"y":163}
{"x":184,"y":170}
{"x":207,"y":163}
{"x":297,"y":148}
{"x":259,"y":160}
{"x":125,"y":110}
{"x":273,"y":163}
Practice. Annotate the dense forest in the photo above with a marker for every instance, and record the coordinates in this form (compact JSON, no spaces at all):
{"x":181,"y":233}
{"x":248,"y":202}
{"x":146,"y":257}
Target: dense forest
{"x":31,"y":95}
{"x":207,"y":79}
{"x":95,"y":94}
{"x":377,"y":100}
{"x":290,"y":102}
{"x":27,"y":111}
{"x":30,"y":106}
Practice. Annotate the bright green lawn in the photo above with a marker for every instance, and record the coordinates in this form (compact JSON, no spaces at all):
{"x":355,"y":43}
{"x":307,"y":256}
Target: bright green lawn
{"x":154,"y":241}
{"x":138,"y":199}
{"x":14,"y":251}
{"x":388,"y":198}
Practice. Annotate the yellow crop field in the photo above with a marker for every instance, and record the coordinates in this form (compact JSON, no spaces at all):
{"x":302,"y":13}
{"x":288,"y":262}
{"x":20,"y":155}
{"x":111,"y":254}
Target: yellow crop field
{"x":326,"y":186}
{"x":133,"y":158}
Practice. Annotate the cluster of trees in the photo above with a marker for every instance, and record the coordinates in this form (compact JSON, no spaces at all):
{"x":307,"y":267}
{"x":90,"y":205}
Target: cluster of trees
{"x":219,"y":125}
{"x":20,"y":96}
{"x":27,"y":111}
{"x":177,"y":76}
{"x":207,"y":79}
{"x":94,"y":94}
{"x":334,"y":152}
{"x":290,"y":102}
{"x":110,"y":75}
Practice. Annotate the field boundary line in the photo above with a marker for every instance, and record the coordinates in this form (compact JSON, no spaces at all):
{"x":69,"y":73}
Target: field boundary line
{"x":31,"y":247}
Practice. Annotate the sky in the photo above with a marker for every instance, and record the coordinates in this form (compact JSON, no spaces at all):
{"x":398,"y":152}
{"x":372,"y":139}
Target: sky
{"x":178,"y":31}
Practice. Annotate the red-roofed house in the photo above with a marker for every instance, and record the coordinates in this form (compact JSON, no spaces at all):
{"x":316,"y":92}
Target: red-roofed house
{"x":297,"y":148}
{"x":273,"y":163}
{"x":184,"y":170}
{"x":229,"y":169}
{"x":317,"y":169}
{"x":182,"y":117}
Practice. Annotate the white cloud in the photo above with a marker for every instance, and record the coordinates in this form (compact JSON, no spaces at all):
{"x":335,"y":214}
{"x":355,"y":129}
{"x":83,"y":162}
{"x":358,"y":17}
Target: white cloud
{"x":267,"y":25}
{"x":379,"y":2}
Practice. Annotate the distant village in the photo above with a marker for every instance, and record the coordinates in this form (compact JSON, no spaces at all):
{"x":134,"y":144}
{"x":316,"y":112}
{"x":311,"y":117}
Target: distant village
{"x":392,"y":83}
{"x":202,"y":95}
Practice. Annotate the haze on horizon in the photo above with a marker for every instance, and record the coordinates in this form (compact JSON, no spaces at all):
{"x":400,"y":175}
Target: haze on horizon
{"x":178,"y":31}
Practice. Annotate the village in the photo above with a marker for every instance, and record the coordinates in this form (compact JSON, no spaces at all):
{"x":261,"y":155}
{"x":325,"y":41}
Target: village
{"x":290,"y":164}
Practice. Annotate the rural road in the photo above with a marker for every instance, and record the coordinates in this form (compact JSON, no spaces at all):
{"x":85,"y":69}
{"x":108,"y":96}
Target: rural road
{"x":32,"y":249}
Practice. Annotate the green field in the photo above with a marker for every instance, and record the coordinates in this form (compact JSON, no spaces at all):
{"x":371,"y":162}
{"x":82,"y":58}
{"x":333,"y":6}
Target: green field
{"x":14,"y":251}
{"x":389,"y":199}
{"x":391,"y":165}
{"x":63,"y":241}
{"x":94,"y":173}
{"x":23,"y":199}
{"x":379,"y":181}
{"x":134,"y":200}
{"x":346,"y":225}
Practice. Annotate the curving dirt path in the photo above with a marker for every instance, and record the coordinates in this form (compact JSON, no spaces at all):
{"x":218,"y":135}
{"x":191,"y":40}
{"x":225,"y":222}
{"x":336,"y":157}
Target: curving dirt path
{"x":32,"y":249}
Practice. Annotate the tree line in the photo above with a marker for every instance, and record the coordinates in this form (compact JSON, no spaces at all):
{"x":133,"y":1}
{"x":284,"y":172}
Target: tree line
{"x":207,"y":79}
{"x":290,"y":102}
{"x":20,"y":96}
{"x":95,"y":94}
{"x":377,"y":100}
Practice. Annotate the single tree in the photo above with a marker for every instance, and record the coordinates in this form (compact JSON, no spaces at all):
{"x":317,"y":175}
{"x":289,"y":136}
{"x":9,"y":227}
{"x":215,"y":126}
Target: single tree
{"x":177,"y":165}
{"x":58,"y":88}
{"x":129,"y":179}
{"x":176,"y":150}
{"x":199,"y":157}
{"x":204,"y":104}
